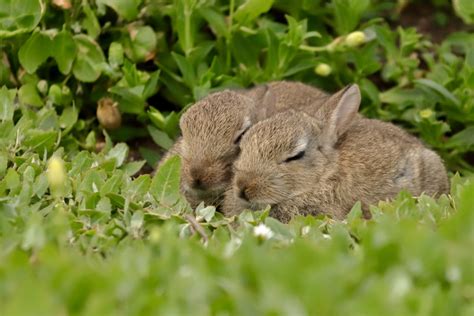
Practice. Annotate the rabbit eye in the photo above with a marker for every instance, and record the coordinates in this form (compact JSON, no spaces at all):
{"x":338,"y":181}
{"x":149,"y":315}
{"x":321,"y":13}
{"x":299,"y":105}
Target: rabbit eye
{"x":239,"y":138}
{"x":296,"y":157}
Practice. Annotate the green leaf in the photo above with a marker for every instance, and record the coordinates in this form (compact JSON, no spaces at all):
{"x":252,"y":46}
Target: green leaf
{"x":465,"y":10}
{"x":142,"y":44}
{"x":119,"y":201}
{"x":116,"y":54}
{"x":206,"y":213}
{"x":151,"y":156}
{"x":171,"y":124}
{"x":28,"y":94}
{"x":19,"y":16}
{"x":440,"y":89}
{"x":104,"y":205}
{"x":112,"y":185}
{"x":68,"y":118}
{"x":127,"y":9}
{"x":185,"y":23}
{"x":131,"y":74}
{"x":90,"y":22}
{"x":463,"y":139}
{"x":136,"y":224}
{"x":3,"y":163}
{"x":355,"y":212}
{"x":40,"y":140}
{"x":12,"y":180}
{"x":156,"y":117}
{"x":215,"y":19}
{"x":133,"y":167}
{"x":165,"y":184}
{"x":186,"y":69}
{"x":35,"y":51}
{"x":279,"y":229}
{"x":249,"y":56}
{"x":90,"y":59}
{"x":7,"y":107}
{"x":119,"y":153}
{"x":139,"y":187}
{"x":251,"y":9}
{"x":34,"y":236}
{"x":129,"y":100}
{"x":160,"y":138}
{"x":64,"y":51}
{"x":40,"y":185}
{"x":151,"y":85}
{"x":347,"y":14}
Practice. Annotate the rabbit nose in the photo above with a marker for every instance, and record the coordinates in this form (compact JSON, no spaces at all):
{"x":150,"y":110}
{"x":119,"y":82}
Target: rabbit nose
{"x":197,"y":184}
{"x":197,"y":181}
{"x":243,"y":194}
{"x":242,"y":189}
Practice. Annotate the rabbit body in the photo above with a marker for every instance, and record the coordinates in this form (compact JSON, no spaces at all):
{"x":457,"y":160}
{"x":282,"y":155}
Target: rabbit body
{"x":327,"y":161}
{"x":212,"y":129}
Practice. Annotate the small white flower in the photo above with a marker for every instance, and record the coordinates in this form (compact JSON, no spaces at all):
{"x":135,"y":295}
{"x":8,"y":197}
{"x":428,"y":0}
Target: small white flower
{"x":453,"y":274}
{"x":401,"y":285}
{"x":327,"y":236}
{"x":305,"y":230}
{"x":262,"y":231}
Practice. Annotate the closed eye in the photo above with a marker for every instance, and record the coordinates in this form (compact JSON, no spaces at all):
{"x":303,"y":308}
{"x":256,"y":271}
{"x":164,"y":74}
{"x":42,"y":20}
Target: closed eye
{"x":295,"y":157}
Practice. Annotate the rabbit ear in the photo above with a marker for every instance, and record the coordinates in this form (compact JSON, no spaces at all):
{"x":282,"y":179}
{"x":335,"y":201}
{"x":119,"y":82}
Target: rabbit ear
{"x":269,"y":98}
{"x":339,"y":110}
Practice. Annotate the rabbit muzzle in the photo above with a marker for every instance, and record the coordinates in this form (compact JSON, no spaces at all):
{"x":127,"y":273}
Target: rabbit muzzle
{"x":206,"y":180}
{"x":253,"y":188}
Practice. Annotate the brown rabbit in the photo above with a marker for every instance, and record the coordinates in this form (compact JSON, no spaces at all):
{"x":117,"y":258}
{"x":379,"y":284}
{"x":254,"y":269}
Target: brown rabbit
{"x":324,"y":163}
{"x":212,"y":129}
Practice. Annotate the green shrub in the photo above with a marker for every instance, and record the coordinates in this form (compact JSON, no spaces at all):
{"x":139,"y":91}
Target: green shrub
{"x":156,"y":57}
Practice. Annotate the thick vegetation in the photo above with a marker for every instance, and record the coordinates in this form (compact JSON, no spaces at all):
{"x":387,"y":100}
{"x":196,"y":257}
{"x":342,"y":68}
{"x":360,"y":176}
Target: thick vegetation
{"x":85,"y":230}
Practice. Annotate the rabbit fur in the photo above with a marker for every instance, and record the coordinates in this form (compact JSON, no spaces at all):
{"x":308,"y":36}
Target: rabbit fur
{"x":212,"y":129}
{"x":326,"y":160}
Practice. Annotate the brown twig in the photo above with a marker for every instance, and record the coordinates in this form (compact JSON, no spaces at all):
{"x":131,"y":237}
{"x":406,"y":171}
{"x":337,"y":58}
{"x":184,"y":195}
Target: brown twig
{"x":195,"y":225}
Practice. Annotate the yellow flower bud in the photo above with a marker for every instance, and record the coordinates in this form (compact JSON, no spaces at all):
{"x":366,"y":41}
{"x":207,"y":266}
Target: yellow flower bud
{"x":56,"y":174}
{"x":323,"y":70}
{"x":355,"y":39}
{"x":426,"y":113}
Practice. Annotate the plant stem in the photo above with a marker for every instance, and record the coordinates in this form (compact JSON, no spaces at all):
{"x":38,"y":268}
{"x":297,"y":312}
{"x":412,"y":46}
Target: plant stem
{"x":229,"y":35}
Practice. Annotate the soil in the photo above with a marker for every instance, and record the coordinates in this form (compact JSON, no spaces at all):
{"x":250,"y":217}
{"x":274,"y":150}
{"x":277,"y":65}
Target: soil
{"x":422,"y":16}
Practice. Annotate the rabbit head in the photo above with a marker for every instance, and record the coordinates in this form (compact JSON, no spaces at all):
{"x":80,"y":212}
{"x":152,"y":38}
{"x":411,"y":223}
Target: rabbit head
{"x":212,"y":130}
{"x":288,"y":154}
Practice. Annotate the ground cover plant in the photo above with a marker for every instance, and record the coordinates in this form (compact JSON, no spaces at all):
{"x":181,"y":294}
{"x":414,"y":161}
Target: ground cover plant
{"x":90,"y":96}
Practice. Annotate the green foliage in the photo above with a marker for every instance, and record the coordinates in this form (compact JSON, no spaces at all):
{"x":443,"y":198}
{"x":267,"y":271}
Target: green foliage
{"x":115,"y":244}
{"x":465,"y":9}
{"x":84,"y":231}
{"x":18,"y":17}
{"x":156,"y":57}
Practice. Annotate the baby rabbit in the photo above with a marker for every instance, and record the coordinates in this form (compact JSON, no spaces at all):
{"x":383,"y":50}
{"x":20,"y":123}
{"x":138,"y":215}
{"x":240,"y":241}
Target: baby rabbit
{"x":213,"y":127}
{"x":324,"y":163}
